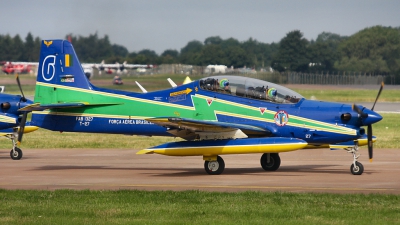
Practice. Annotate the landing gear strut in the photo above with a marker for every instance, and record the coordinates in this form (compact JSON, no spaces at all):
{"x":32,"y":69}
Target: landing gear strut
{"x":356,"y":168}
{"x":214,"y":167}
{"x":270,"y":161}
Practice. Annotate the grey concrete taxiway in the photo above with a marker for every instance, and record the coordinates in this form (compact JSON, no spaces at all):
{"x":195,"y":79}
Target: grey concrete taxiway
{"x":318,"y":170}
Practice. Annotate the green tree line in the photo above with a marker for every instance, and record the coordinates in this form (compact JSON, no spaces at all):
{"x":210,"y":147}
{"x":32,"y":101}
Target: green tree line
{"x":373,"y":50}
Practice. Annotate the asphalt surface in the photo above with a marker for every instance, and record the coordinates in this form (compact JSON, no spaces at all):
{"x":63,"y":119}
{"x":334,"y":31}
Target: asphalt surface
{"x":318,"y":170}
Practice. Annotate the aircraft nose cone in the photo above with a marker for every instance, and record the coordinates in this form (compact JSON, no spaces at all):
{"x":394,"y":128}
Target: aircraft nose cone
{"x":372,"y":118}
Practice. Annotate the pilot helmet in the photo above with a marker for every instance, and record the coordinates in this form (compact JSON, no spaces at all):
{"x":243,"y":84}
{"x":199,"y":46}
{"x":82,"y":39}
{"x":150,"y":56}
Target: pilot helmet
{"x":223,"y":83}
{"x":272,"y":92}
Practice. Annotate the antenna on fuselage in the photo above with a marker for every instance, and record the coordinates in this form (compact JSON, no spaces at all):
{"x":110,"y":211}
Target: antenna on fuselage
{"x":187,"y":80}
{"x":141,"y":88}
{"x":172,"y":83}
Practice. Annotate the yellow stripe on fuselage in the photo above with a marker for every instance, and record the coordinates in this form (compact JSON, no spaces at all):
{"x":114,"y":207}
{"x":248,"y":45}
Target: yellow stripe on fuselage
{"x":7,"y":119}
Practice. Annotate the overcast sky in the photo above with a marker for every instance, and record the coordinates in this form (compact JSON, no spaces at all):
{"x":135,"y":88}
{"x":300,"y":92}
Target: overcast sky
{"x":170,"y":24}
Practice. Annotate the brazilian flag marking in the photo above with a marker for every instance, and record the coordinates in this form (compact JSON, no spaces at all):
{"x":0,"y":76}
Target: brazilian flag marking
{"x":68,"y":60}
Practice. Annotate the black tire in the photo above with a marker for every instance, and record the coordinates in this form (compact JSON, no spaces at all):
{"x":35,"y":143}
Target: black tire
{"x":214,"y":167}
{"x":274,"y":161}
{"x":17,"y":154}
{"x":358,"y":169}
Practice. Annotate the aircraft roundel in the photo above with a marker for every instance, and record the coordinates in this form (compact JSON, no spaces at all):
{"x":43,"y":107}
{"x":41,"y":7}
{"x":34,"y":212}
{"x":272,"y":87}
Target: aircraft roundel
{"x":281,"y":118}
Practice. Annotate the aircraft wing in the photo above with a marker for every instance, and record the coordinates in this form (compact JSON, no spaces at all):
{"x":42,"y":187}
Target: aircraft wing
{"x":190,"y":129}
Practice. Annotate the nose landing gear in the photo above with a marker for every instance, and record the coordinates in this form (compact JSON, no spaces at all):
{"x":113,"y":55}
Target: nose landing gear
{"x":15,"y":153}
{"x":356,"y":168}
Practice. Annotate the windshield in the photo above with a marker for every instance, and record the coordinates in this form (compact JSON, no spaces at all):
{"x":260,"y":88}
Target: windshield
{"x":250,"y":88}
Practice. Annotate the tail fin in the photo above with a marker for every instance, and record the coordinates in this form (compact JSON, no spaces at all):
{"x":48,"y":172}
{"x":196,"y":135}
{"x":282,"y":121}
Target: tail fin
{"x":58,"y":67}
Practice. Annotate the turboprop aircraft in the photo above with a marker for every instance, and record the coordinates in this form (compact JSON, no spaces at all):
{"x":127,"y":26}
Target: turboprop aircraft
{"x":11,"y":119}
{"x":216,"y":115}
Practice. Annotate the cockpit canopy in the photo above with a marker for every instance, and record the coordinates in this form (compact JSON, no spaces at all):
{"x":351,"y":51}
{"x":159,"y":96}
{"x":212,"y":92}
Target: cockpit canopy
{"x":250,"y":88}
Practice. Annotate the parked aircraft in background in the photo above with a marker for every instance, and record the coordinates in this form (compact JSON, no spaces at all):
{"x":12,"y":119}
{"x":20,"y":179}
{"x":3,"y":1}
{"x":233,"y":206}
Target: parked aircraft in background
{"x":88,"y":70}
{"x":18,"y":67}
{"x":214,"y":69}
{"x":119,"y":68}
{"x":11,"y":118}
{"x":216,"y":115}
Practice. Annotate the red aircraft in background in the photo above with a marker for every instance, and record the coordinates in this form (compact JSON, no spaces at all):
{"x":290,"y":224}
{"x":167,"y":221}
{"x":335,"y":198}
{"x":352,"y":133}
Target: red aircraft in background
{"x":18,"y":67}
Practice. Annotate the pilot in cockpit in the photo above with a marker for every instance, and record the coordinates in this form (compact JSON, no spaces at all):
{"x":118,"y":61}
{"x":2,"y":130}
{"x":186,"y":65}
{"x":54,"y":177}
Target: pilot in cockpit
{"x":224,"y":85}
{"x":273,"y":95}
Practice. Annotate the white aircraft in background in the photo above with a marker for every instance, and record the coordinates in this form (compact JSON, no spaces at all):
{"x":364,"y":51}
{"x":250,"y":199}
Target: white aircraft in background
{"x":120,"y":68}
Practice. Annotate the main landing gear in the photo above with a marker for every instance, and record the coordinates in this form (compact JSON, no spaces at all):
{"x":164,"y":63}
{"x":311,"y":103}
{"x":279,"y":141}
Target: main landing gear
{"x":356,"y":168}
{"x":270,"y":161}
{"x":216,"y":165}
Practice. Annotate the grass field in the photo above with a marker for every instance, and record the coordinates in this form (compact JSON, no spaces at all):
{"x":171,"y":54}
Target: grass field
{"x":195,"y":207}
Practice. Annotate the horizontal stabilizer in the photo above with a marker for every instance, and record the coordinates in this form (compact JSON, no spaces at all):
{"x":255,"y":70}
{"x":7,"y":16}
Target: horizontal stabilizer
{"x":228,"y":146}
{"x":41,"y":107}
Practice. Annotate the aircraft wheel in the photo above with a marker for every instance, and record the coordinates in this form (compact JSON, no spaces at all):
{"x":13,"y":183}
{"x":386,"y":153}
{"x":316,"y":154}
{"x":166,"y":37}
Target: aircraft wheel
{"x":17,"y":154}
{"x":274,"y":161}
{"x":358,"y":169}
{"x":214,"y":167}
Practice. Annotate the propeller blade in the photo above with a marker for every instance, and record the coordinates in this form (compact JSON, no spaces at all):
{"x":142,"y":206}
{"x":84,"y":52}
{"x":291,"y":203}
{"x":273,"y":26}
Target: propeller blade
{"x":359,"y":111}
{"x":379,"y":93}
{"x":20,"y":88}
{"x":370,"y":144}
{"x":22,"y":127}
